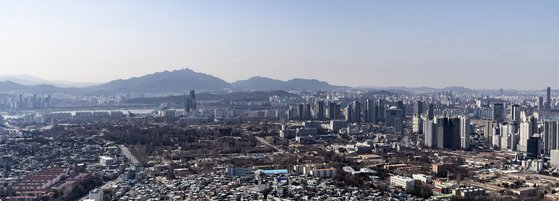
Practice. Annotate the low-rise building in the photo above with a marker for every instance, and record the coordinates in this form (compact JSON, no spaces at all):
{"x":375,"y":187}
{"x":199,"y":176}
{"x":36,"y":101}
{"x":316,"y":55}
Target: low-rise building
{"x":324,"y":173}
{"x":423,"y":178}
{"x":237,"y":171}
{"x":408,"y":184}
{"x":468,"y":192}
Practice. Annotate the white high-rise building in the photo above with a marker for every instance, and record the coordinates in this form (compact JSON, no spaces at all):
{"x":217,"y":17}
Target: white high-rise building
{"x":525,"y":132}
{"x":430,"y":134}
{"x":417,"y":124}
{"x":465,"y":133}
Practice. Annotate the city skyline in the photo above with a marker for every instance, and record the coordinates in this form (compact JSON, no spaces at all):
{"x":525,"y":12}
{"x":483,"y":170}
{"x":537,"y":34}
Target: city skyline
{"x":279,"y":100}
{"x":475,"y":44}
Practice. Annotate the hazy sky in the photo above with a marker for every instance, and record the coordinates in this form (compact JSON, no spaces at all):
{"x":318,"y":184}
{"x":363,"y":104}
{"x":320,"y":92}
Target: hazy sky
{"x":478,"y":44}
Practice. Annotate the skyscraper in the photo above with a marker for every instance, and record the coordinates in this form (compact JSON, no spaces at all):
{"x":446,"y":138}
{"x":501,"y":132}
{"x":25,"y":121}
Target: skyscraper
{"x":402,"y":107}
{"x":308,"y":112}
{"x":333,"y":111}
{"x":348,"y":112}
{"x":548,"y":99}
{"x":429,"y":130}
{"x":498,"y":110}
{"x":417,"y":126}
{"x":534,"y":147}
{"x":454,"y":135}
{"x":448,"y":131}
{"x":525,"y":133}
{"x":371,"y":111}
{"x":550,"y":136}
{"x":431,"y":112}
{"x":337,"y":111}
{"x":418,"y":108}
{"x":465,"y":130}
{"x":488,"y":130}
{"x":193,"y":99}
{"x":301,"y":112}
{"x":190,"y":101}
{"x":381,"y":111}
{"x":320,"y":110}
{"x":356,"y":111}
{"x":515,"y":112}
{"x":541,"y":107}
{"x":528,"y":127}
{"x":393,"y":118}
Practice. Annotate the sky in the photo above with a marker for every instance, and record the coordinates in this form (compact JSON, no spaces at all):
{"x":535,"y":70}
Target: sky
{"x":473,"y":43}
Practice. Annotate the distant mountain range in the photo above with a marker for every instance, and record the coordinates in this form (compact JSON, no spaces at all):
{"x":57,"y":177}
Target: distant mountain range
{"x":32,"y":80}
{"x":268,"y":84}
{"x":179,"y":81}
{"x":166,"y":82}
{"x":9,"y":86}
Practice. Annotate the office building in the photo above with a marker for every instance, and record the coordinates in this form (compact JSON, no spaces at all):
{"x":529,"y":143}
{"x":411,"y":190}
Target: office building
{"x":534,"y":147}
{"x":498,"y":112}
{"x":417,"y":126}
{"x":301,"y":112}
{"x":431,"y":112}
{"x":401,"y":106}
{"x":488,"y":130}
{"x":418,"y":108}
{"x":430,"y":133}
{"x":525,"y":133}
{"x":334,"y":111}
{"x":381,"y":111}
{"x":320,"y":111}
{"x":528,"y":127}
{"x":541,"y":107}
{"x":465,"y":130}
{"x":371,"y":111}
{"x":356,"y":111}
{"x":550,"y":136}
{"x":448,"y":133}
{"x":406,"y":183}
{"x":190,"y":102}
{"x":548,"y":99}
{"x":348,"y":113}
{"x":394,"y":118}
{"x":308,"y":112}
{"x":515,"y":112}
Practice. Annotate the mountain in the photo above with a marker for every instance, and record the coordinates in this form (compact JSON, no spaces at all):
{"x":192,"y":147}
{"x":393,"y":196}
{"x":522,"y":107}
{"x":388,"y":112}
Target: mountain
{"x":32,"y":80}
{"x":9,"y":87}
{"x":308,"y":84}
{"x":268,"y":84}
{"x":258,"y":84}
{"x":166,"y":82}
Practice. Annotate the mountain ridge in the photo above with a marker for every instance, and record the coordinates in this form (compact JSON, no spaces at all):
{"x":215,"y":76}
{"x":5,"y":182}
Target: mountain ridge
{"x":181,"y":80}
{"x":259,"y":83}
{"x":25,"y":79}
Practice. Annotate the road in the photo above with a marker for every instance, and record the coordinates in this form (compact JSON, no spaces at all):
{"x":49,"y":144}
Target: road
{"x":129,"y":155}
{"x":261,"y":140}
